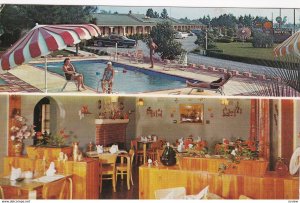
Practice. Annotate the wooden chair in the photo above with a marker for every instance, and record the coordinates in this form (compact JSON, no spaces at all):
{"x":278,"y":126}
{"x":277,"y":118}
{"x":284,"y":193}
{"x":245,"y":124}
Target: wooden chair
{"x":122,"y":168}
{"x":68,"y":79}
{"x":159,"y":153}
{"x":138,"y":152}
{"x":152,"y":152}
{"x":108,"y":169}
{"x":1,"y":193}
{"x":54,"y":190}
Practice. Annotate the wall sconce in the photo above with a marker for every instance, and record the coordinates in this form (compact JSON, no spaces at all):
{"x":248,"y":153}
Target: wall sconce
{"x":140,"y":102}
{"x":225,"y":102}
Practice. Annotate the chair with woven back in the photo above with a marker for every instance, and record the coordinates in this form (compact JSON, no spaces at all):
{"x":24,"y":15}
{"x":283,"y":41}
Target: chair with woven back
{"x":55,"y":189}
{"x":108,"y":169}
{"x":122,"y":168}
{"x":152,"y":152}
{"x":138,"y":151}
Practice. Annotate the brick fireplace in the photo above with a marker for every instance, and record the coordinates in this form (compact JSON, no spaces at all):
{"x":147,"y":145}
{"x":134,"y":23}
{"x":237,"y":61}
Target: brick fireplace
{"x":109,"y":131}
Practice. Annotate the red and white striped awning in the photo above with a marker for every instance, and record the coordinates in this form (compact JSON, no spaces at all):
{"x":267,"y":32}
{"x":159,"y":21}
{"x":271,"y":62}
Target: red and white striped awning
{"x":289,"y":46}
{"x":44,"y":39}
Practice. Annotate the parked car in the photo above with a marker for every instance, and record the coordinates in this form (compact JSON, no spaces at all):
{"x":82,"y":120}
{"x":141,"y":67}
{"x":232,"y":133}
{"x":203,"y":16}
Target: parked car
{"x":181,"y":35}
{"x":196,"y":32}
{"x":111,"y":40}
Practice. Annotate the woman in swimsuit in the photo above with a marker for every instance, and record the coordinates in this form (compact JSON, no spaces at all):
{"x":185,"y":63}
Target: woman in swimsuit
{"x":108,"y":78}
{"x":71,"y":74}
{"x":212,"y":85}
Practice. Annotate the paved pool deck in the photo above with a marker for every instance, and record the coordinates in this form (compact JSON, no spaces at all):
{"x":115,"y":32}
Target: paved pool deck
{"x":35,"y":78}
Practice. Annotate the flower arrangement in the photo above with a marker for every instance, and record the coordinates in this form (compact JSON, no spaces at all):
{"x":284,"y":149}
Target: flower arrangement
{"x":198,"y":147}
{"x":58,"y":139}
{"x":20,"y":130}
{"x":235,"y":152}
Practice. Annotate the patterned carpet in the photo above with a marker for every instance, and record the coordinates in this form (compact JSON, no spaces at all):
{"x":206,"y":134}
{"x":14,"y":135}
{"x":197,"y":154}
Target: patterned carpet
{"x":14,"y":84}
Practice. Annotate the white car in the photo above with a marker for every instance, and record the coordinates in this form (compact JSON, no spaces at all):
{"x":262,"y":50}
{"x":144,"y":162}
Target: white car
{"x":181,"y":35}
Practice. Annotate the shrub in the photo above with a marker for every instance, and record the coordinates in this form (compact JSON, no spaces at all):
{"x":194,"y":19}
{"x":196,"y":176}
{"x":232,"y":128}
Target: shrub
{"x":225,"y":39}
{"x":262,"y":40}
{"x":163,"y":35}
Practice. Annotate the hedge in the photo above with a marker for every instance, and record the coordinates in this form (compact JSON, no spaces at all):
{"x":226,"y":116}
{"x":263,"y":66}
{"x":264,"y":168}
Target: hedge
{"x":270,"y":63}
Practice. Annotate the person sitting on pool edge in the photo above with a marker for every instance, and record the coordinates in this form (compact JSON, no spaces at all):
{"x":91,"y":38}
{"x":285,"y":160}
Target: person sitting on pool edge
{"x":212,"y":85}
{"x":108,"y":78}
{"x":71,"y":73}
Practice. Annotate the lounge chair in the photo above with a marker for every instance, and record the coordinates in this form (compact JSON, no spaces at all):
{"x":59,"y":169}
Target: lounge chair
{"x":68,"y":79}
{"x":217,"y":86}
{"x":180,"y":63}
{"x":137,"y":56}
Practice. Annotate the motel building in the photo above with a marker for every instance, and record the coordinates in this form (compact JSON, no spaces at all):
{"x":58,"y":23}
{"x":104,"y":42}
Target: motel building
{"x":129,"y":24}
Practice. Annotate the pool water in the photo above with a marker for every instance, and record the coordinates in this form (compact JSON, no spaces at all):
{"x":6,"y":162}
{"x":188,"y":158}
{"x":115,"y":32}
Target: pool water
{"x":2,"y":82}
{"x":128,"y":79}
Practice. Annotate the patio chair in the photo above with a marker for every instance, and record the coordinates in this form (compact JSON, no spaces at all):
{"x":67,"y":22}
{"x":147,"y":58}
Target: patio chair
{"x":68,"y":79}
{"x":218,"y":87}
{"x":180,"y":63}
{"x":137,"y":56}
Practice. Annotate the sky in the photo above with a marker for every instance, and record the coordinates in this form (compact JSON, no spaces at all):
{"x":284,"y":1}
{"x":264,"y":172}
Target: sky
{"x":198,"y":8}
{"x":195,"y":13}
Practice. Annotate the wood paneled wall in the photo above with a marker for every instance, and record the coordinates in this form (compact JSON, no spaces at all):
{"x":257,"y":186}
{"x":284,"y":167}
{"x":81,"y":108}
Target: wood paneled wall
{"x":228,"y":186}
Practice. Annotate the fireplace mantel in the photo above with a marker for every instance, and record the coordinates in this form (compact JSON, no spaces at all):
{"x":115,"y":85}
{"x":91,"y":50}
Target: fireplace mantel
{"x":109,"y":131}
{"x":110,"y":121}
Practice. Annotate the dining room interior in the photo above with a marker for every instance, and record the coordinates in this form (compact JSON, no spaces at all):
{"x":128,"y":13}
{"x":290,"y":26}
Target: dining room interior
{"x":125,"y":147}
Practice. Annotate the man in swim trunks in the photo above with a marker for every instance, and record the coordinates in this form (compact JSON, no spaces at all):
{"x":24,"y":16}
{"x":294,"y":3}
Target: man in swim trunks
{"x":108,"y":78}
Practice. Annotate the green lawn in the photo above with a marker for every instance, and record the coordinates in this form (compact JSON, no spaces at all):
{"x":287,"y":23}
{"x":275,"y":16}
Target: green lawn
{"x":246,"y":50}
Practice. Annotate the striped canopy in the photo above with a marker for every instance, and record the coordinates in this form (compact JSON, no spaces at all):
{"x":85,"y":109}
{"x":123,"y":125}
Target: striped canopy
{"x":44,"y":39}
{"x":289,"y":46}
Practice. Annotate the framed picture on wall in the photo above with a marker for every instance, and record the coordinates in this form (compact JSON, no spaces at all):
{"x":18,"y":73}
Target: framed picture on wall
{"x":191,"y":113}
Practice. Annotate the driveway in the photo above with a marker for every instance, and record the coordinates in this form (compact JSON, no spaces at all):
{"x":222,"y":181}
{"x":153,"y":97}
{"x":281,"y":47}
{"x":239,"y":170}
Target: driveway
{"x":189,"y":45}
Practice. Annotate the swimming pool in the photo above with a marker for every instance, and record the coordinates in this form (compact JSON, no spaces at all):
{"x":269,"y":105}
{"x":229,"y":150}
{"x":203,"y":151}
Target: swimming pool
{"x":2,"y":82}
{"x":128,"y":79}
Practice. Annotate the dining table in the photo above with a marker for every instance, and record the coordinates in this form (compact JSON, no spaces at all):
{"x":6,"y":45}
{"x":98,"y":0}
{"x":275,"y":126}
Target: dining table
{"x":33,"y":184}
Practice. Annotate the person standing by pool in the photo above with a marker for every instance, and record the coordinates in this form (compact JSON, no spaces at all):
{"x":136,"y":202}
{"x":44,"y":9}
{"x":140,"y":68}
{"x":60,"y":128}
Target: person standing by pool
{"x":108,"y":78}
{"x":152,"y":47}
{"x":71,"y":73}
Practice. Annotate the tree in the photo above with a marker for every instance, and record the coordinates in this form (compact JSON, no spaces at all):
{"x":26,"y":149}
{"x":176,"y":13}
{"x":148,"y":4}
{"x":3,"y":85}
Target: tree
{"x":59,"y":14}
{"x":205,"y":20}
{"x":156,"y":14}
{"x":225,"y":20}
{"x":201,"y":40}
{"x":163,"y":35}
{"x":164,"y":14}
{"x":15,"y":19}
{"x":150,"y":13}
{"x":12,"y":22}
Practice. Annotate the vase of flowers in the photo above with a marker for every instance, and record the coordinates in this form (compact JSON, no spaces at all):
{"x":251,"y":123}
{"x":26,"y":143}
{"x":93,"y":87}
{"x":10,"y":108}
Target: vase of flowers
{"x":19,"y":131}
